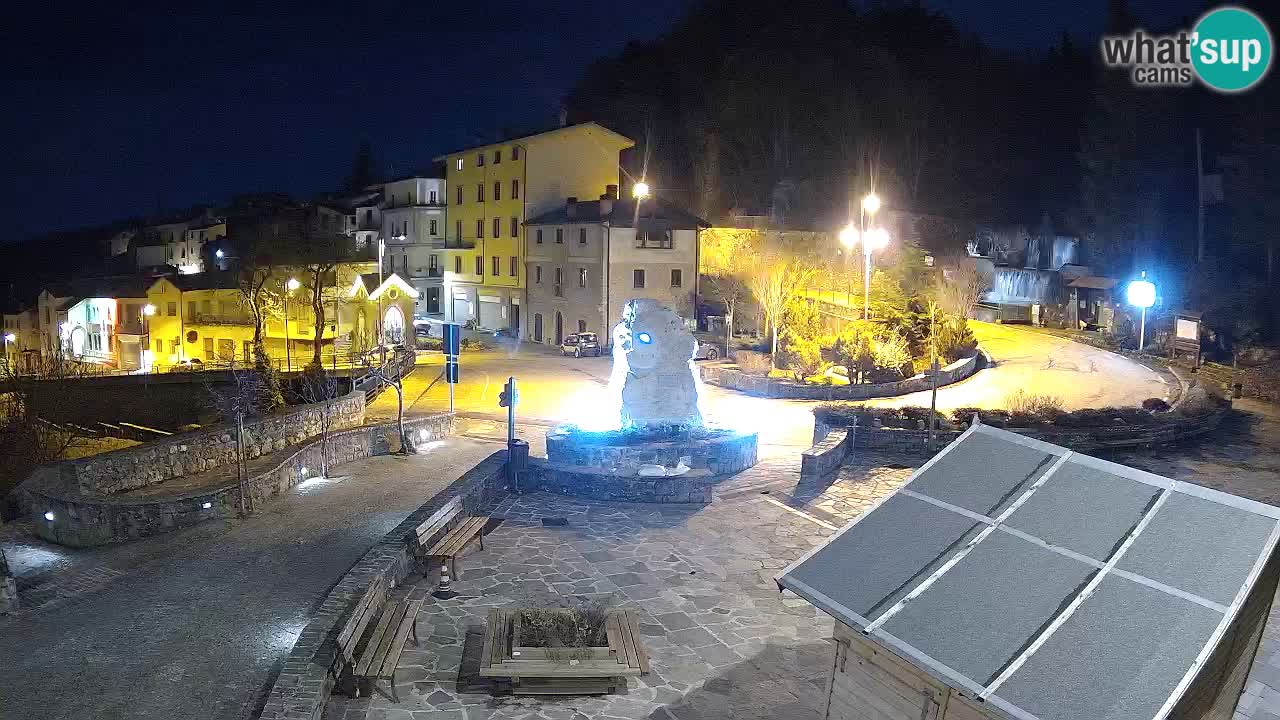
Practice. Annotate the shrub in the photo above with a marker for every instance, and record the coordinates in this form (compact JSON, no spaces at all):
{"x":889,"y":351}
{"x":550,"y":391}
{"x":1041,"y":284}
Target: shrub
{"x":802,"y":355}
{"x":752,"y":362}
{"x":911,"y":417}
{"x":1023,"y":402}
{"x":954,"y":339}
{"x":890,"y":353}
{"x":1155,"y":405}
{"x":994,"y":418}
{"x":1199,"y":401}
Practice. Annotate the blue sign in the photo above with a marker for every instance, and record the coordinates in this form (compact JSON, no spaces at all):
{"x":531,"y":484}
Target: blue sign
{"x":451,"y":372}
{"x":452,"y":339}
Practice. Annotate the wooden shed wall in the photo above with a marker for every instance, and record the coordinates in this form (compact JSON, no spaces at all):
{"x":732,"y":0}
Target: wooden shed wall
{"x":1215,"y":692}
{"x":869,"y":682}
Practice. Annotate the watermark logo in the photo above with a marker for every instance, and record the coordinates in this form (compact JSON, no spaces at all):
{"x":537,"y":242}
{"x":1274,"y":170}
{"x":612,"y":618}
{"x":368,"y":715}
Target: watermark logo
{"x":1229,"y":50}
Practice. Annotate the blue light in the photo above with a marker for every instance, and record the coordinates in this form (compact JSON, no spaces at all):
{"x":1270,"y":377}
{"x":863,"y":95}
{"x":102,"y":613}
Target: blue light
{"x":644,"y":338}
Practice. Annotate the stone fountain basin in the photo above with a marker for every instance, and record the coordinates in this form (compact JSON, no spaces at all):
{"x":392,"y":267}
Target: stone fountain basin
{"x":604,"y":465}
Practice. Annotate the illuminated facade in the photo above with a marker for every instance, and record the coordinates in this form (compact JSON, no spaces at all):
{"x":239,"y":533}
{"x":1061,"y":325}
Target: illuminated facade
{"x":491,"y":190}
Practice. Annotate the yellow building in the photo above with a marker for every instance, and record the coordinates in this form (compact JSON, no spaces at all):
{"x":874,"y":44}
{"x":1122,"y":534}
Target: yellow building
{"x":202,"y":319}
{"x":491,"y":190}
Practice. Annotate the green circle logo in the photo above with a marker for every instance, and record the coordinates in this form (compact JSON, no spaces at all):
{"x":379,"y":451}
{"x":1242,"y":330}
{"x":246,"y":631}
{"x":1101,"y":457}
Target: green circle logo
{"x":1231,"y":49}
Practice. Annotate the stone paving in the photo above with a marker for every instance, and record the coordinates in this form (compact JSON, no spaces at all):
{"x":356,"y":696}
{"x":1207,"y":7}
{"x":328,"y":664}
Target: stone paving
{"x":723,"y":641}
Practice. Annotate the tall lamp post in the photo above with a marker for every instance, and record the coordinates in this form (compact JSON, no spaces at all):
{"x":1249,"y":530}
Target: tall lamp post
{"x":147,"y":311}
{"x":870,"y":206}
{"x":848,"y":238}
{"x":1141,"y":293}
{"x":289,"y":287}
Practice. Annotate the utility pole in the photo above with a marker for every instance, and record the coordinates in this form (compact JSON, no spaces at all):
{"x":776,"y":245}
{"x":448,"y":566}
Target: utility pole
{"x":1199,"y":200}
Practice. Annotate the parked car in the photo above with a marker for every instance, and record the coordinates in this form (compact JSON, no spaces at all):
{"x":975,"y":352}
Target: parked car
{"x":580,"y":344}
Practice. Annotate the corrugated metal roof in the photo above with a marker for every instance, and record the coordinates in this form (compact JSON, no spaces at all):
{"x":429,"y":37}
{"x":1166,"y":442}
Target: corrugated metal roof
{"x":1050,"y":584}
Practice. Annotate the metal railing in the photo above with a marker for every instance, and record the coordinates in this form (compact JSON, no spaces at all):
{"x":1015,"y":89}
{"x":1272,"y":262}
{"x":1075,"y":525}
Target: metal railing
{"x":399,"y":363}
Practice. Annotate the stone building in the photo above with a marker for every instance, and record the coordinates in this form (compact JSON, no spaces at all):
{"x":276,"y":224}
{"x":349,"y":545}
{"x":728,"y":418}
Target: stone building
{"x":587,"y":259}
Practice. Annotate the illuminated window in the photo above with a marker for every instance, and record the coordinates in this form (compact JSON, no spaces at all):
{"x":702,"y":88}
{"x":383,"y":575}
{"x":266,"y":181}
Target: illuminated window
{"x":459,"y":163}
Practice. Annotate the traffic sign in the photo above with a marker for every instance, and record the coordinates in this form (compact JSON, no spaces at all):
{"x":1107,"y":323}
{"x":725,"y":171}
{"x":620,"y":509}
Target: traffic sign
{"x":451,"y":372}
{"x":452,"y":339}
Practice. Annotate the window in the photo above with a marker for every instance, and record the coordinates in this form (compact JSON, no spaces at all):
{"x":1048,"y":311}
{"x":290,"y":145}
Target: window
{"x":459,"y":164}
{"x":208,"y":348}
{"x":515,"y":266}
{"x":480,"y":160}
{"x":497,"y":266}
{"x":457,"y":265}
{"x":582,"y":277}
{"x":480,"y":265}
{"x":433,"y":227}
{"x":434,"y":265}
{"x":433,"y":197}
{"x":582,"y":236}
{"x":538,"y":234}
{"x":480,"y":192}
{"x":457,"y":228}
{"x":497,"y":156}
{"x":248,"y":350}
{"x":559,"y":236}
{"x":653,"y":239}
{"x":515,"y":189}
{"x":515,"y":227}
{"x":637,"y":279}
{"x":480,"y":229}
{"x":515,"y":153}
{"x":677,"y":278}
{"x":497,"y":190}
{"x":191,"y":308}
{"x":582,"y":326}
{"x":459,"y":192}
{"x":559,"y":276}
{"x":497,"y":227}
{"x":537,"y":274}
{"x":171,"y":309}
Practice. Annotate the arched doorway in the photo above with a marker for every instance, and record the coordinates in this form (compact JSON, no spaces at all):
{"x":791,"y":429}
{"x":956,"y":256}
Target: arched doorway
{"x":537,"y":327}
{"x":78,"y":341}
{"x":559,"y":328}
{"x":393,"y":326}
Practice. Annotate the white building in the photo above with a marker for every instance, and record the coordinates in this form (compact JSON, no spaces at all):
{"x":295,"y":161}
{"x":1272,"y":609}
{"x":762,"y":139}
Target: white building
{"x":587,"y":259}
{"x":188,"y":254}
{"x":414,"y":232}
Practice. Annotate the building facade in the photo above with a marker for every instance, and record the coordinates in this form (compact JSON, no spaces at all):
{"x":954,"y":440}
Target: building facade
{"x":492,"y":189}
{"x":414,"y":232}
{"x":587,"y":259}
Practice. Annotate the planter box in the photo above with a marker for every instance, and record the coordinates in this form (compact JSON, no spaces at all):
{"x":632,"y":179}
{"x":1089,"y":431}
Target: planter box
{"x":563,"y":671}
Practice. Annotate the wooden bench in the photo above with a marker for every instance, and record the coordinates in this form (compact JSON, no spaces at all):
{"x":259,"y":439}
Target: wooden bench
{"x":392,"y":624}
{"x":441,"y":537}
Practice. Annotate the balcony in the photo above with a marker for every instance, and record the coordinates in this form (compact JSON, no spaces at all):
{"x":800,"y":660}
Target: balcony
{"x":239,"y":319}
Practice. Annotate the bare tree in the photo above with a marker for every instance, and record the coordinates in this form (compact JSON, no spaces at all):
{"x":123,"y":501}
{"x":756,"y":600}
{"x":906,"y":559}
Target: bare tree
{"x":775,"y":279}
{"x":242,"y":398}
{"x":395,"y":381}
{"x":29,"y":397}
{"x":960,"y":286}
{"x":320,"y":391}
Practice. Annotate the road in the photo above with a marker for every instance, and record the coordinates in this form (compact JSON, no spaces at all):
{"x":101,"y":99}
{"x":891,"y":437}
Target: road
{"x":556,"y":389}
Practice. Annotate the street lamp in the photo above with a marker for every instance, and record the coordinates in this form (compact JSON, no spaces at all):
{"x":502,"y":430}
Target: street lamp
{"x":1141,"y":293}
{"x":147,"y":311}
{"x":289,"y":287}
{"x":640,"y":190}
{"x":872,"y":240}
{"x":848,"y":238}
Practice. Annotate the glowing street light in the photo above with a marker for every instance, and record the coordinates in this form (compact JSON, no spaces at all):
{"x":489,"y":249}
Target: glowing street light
{"x":219,"y":254}
{"x":640,"y":190}
{"x":1141,"y":293}
{"x":10,"y":338}
{"x":871,"y":204}
{"x":148,"y":309}
{"x":289,"y":286}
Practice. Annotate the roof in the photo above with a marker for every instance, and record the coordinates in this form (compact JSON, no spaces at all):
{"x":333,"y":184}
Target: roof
{"x":369,"y":283}
{"x":653,"y":212}
{"x":211,"y":280}
{"x":1051,"y":584}
{"x":1094,"y":282}
{"x":626,"y":141}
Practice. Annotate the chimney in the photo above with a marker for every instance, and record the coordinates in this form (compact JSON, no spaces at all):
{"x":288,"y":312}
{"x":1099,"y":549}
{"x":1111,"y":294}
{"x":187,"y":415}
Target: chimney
{"x":571,"y":207}
{"x":564,"y":116}
{"x":611,"y":191}
{"x":606,"y":205}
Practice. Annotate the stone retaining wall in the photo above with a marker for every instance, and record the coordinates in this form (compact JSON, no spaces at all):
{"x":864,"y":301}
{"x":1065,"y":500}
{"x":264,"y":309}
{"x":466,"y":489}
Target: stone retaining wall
{"x":916,"y":442}
{"x":84,"y":520}
{"x":823,"y":460}
{"x":307,"y":679}
{"x":208,"y":448}
{"x":732,"y":379}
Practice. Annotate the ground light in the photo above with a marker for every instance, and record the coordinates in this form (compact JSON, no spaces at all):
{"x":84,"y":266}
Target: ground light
{"x":1141,"y":293}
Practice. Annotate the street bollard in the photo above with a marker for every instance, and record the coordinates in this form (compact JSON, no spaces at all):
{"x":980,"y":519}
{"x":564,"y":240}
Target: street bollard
{"x":444,"y":591}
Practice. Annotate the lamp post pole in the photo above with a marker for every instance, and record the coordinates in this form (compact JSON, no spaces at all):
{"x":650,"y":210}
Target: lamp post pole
{"x":870,"y":205}
{"x":289,"y":286}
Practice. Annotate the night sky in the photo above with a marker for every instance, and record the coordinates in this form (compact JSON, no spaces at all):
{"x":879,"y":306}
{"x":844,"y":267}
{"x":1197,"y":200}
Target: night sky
{"x":110,"y":113}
